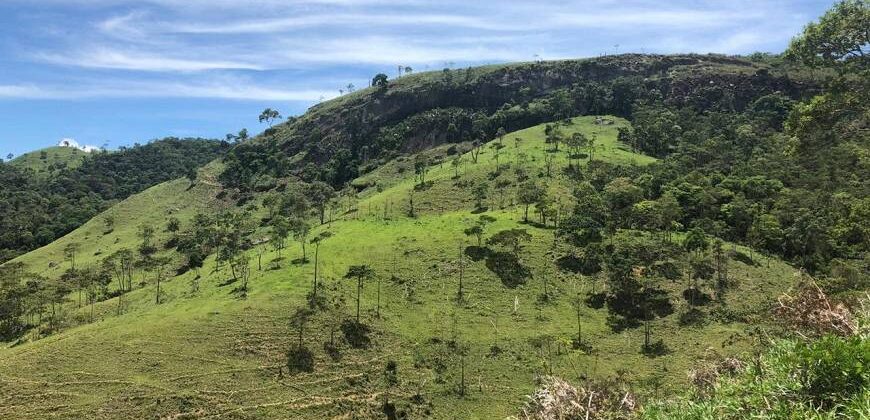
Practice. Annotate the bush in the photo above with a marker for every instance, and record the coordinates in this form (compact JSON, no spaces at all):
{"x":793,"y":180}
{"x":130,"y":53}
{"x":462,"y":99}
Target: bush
{"x":300,"y":359}
{"x":833,"y":370}
{"x":356,"y":334}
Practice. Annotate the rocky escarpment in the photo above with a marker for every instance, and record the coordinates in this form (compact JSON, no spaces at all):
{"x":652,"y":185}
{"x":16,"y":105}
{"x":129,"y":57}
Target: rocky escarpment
{"x":424,"y":110}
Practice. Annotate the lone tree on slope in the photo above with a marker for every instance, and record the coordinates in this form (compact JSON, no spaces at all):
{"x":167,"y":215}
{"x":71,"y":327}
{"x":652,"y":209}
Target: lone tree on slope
{"x":380,"y":80}
{"x":360,"y":273}
{"x":269,"y":116}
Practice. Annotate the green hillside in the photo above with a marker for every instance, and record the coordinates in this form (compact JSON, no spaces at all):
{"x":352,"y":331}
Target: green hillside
{"x":205,"y":351}
{"x":623,"y":237}
{"x":42,"y":201}
{"x":50,"y":159}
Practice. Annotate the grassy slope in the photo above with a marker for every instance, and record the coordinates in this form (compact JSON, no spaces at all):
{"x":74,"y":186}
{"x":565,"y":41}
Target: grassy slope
{"x":209,"y":353}
{"x":151,"y":207}
{"x":72,"y":157}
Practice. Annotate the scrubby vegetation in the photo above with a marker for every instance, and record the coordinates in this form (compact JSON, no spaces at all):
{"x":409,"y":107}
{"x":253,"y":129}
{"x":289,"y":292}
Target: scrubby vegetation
{"x":819,"y":372}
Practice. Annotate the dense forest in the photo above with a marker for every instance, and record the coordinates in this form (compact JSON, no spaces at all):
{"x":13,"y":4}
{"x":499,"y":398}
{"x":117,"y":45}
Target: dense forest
{"x":35,"y":210}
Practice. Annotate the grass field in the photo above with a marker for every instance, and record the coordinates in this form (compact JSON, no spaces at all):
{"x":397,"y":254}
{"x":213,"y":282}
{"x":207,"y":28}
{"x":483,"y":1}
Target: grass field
{"x":204,"y":352}
{"x":45,"y":160}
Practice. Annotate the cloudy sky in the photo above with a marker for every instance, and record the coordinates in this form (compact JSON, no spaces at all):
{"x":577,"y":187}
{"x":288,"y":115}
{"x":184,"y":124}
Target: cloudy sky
{"x":120,"y":71}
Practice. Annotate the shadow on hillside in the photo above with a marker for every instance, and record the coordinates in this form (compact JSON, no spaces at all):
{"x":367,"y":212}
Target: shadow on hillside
{"x":696,"y":297}
{"x":536,"y":224}
{"x":300,"y":360}
{"x":745,"y":259}
{"x":227,"y":282}
{"x":508,"y":268}
{"x":424,"y":186}
{"x":356,"y":334}
{"x":476,"y":253}
{"x":596,"y":300}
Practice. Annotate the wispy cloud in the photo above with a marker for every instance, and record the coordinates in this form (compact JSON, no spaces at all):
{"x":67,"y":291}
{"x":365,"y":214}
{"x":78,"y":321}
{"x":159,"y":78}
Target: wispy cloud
{"x":175,"y":38}
{"x":109,"y":58}
{"x":24,"y":92}
{"x":506,"y":18}
{"x":635,"y":18}
{"x":212,"y":90}
{"x":369,"y":20}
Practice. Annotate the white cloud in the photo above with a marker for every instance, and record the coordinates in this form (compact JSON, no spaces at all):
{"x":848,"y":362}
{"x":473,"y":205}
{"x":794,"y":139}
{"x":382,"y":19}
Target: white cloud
{"x":110,"y":58}
{"x":68,"y":142}
{"x":644,"y":18}
{"x":512,"y":18}
{"x":21,"y":91}
{"x":231,"y":89}
{"x":186,"y":45}
{"x":369,"y":20}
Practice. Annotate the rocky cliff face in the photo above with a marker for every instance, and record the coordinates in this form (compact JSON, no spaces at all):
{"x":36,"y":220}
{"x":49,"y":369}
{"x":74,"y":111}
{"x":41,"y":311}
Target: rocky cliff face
{"x":479,"y":93}
{"x":424,"y":110}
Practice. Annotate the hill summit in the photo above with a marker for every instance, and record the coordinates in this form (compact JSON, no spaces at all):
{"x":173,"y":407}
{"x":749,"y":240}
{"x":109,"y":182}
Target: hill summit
{"x":67,"y":142}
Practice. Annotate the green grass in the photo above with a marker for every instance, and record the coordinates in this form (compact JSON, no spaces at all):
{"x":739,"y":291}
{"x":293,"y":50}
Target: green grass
{"x":152,"y":207}
{"x":211,"y":353}
{"x":392,"y":184}
{"x":54,"y":157}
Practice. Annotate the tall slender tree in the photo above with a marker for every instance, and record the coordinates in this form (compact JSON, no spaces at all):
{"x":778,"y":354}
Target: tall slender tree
{"x":360,"y":273}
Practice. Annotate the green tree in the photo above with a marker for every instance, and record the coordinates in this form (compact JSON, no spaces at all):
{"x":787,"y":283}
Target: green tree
{"x":269,"y":116}
{"x":146,"y":246}
{"x":360,"y":273}
{"x":317,"y":241}
{"x":293,"y":203}
{"x":576,"y":143}
{"x":479,"y":228}
{"x":191,"y":175}
{"x":586,"y":223}
{"x":696,"y":241}
{"x":320,"y":193}
{"x":300,"y":229}
{"x":480,"y":191}
{"x":69,"y":253}
{"x":620,"y":195}
{"x":512,"y":239}
{"x":421,"y":167}
{"x":499,"y":134}
{"x":840,"y":36}
{"x":554,"y":135}
{"x":529,"y":193}
{"x":590,"y":143}
{"x":456,"y":163}
{"x":475,"y":150}
{"x":279,"y":230}
{"x":380,"y":80}
{"x":160,"y":266}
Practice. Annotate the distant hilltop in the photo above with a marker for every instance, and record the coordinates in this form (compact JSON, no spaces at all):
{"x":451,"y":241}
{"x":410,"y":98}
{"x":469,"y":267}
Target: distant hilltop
{"x":75,"y":145}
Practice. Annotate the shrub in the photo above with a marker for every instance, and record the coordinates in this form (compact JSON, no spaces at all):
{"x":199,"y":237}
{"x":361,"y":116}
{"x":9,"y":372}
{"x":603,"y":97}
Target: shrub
{"x":833,"y":370}
{"x":300,"y":359}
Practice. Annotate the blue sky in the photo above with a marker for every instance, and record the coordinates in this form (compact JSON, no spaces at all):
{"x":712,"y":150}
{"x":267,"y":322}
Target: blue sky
{"x":117,"y":71}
